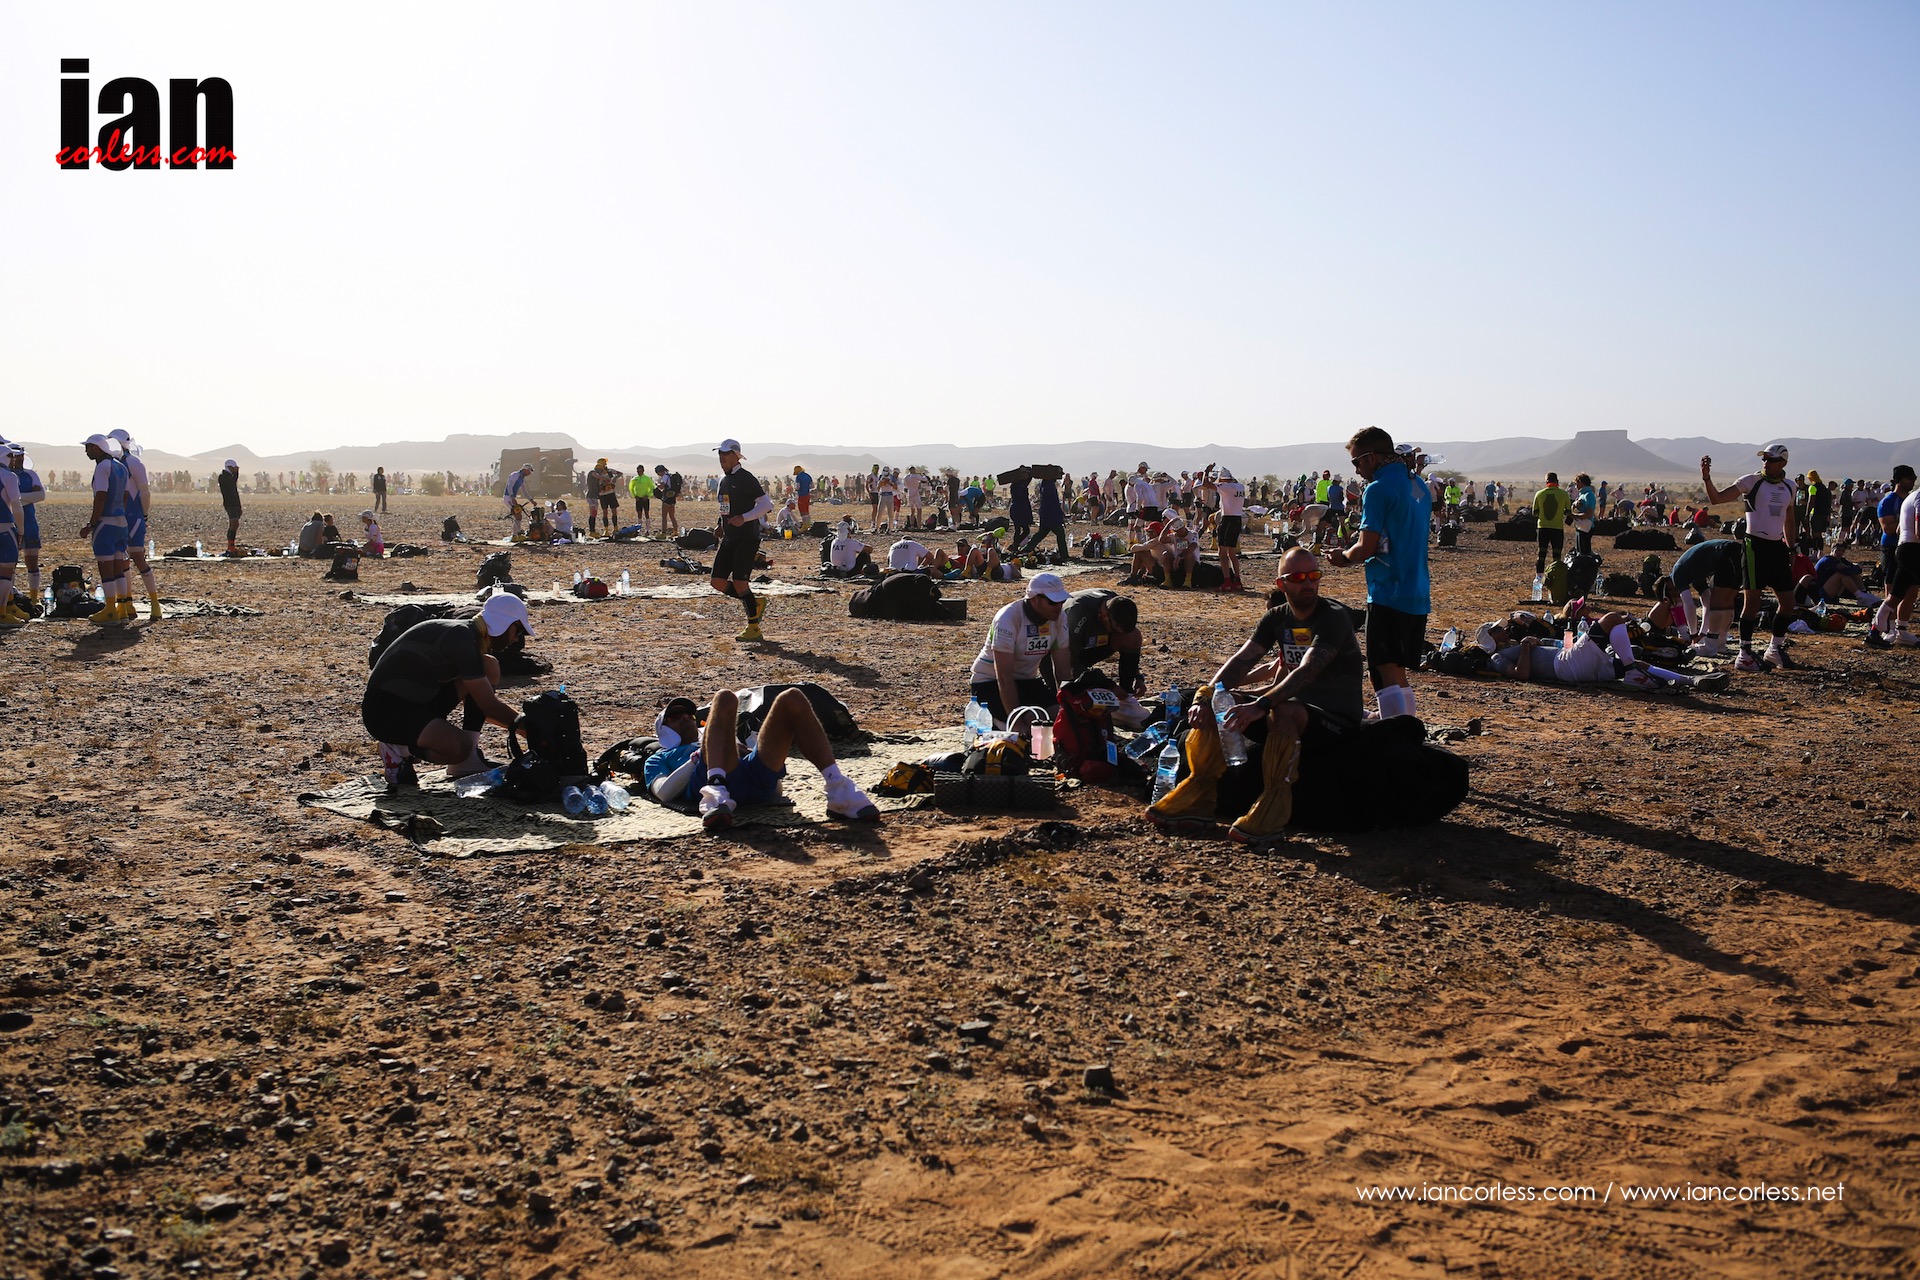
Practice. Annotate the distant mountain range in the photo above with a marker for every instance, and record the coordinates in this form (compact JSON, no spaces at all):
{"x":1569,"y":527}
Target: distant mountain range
{"x":1608,"y":455}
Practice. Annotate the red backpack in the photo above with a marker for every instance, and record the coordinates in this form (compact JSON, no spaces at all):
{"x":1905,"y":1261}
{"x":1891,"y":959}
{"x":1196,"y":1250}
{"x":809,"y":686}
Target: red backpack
{"x":1083,"y":742}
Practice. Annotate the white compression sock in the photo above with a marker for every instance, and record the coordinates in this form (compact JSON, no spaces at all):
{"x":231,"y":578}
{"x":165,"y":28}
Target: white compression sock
{"x":1884,"y":618}
{"x":832,"y":773}
{"x":1406,"y":701}
{"x":1691,"y":606}
{"x":1621,"y":643}
{"x":33,"y":583}
{"x":146,"y":577}
{"x":1389,"y":699}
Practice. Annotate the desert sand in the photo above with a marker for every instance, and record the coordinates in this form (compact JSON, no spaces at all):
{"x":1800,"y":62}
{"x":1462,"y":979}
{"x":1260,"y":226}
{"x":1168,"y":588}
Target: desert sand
{"x":1667,"y":942}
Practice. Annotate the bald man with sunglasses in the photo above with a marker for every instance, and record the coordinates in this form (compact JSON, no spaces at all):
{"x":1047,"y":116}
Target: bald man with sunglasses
{"x":1310,"y":696}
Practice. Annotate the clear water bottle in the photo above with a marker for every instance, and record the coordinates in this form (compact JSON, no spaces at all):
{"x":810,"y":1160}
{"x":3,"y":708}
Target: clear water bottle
{"x":617,"y":796}
{"x":596,"y":803}
{"x":979,"y":720}
{"x":1450,"y":641}
{"x":1539,"y":586}
{"x":1171,"y":699}
{"x":626,"y":583}
{"x":1147,"y":743}
{"x":153,"y":554}
{"x":1232,"y":745}
{"x":574,"y":801}
{"x":198,"y":549}
{"x":478,"y":784}
{"x":1167,"y":772}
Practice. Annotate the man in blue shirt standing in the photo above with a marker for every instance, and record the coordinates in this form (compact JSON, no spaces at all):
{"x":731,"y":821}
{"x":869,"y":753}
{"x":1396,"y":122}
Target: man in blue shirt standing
{"x":1395,"y":513}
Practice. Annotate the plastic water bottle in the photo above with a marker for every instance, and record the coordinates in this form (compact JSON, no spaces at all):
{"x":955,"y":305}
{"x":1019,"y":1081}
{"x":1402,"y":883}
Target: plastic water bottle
{"x":596,"y":803}
{"x":617,"y":796}
{"x":478,"y":784}
{"x":1167,"y":772}
{"x":1539,"y":586}
{"x":563,"y":686}
{"x":1147,"y":743}
{"x":198,"y":550}
{"x":978,"y":721}
{"x":154,"y":555}
{"x":1232,"y":745}
{"x":626,"y":583}
{"x":556,"y":586}
{"x":574,"y":801}
{"x":1450,"y":641}
{"x":1172,"y":700}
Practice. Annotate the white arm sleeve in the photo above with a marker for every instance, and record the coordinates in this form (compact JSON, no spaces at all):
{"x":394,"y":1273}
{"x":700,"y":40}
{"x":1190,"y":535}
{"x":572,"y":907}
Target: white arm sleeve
{"x":759,"y":510}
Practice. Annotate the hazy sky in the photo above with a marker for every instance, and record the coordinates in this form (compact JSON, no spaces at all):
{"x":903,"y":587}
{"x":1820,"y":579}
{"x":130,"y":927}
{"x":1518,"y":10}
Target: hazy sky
{"x":896,"y":221}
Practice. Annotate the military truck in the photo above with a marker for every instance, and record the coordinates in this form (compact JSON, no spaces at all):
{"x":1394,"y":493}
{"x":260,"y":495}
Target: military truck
{"x":552,"y":477}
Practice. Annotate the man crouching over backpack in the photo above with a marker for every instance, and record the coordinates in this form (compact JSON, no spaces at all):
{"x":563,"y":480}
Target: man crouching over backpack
{"x":432,"y":668}
{"x":707,"y":761}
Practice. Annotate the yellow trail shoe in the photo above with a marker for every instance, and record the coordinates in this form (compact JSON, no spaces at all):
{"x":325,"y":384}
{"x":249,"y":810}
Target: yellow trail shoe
{"x":153,"y":608}
{"x":751,"y":635}
{"x":759,"y":609}
{"x":107,"y":616}
{"x":1280,"y":769}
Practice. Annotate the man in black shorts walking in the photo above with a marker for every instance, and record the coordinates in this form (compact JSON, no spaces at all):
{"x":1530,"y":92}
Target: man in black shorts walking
{"x":742,"y":503}
{"x":1768,"y":496}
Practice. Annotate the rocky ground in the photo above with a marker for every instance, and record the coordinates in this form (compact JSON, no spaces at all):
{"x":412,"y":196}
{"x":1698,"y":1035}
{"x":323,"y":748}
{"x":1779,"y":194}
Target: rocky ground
{"x":1668,"y":941}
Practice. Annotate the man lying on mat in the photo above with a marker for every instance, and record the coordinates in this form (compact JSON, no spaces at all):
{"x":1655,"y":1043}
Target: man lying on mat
{"x":708,"y":761}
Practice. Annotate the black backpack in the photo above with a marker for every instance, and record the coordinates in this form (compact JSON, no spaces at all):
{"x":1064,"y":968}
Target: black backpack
{"x":1581,"y":574}
{"x":899,"y":597}
{"x":697,"y":540}
{"x":551,"y":723}
{"x":399,"y":622}
{"x":450,"y":528}
{"x":833,"y":714}
{"x":345,"y":566}
{"x":497,"y":567}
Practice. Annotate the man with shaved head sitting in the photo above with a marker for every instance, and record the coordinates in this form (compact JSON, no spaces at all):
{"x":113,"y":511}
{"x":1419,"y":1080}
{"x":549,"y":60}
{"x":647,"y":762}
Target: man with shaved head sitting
{"x":1309,"y":696}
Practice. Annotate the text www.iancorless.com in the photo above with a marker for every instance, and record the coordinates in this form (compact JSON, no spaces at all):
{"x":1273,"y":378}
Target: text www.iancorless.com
{"x":1623,"y":1192}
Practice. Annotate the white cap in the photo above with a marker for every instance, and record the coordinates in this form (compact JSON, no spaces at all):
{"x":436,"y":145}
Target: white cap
{"x":1223,"y":474}
{"x":502,"y":610}
{"x":105,"y":444}
{"x":232,"y":465}
{"x":367,"y":514}
{"x":728,"y":446}
{"x":120,"y":434}
{"x":1048,"y":585}
{"x":1773,"y":451}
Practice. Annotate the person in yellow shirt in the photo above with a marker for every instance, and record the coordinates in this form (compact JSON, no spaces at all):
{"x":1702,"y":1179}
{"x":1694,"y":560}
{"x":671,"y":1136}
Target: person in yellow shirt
{"x":1550,"y":508}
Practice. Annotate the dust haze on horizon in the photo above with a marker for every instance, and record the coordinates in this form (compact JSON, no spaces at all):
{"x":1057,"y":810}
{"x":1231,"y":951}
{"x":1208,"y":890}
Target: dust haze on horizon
{"x":873,"y":224}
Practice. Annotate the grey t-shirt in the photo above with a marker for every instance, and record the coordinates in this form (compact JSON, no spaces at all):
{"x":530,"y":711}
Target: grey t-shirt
{"x":428,"y":656}
{"x":1337,"y":692}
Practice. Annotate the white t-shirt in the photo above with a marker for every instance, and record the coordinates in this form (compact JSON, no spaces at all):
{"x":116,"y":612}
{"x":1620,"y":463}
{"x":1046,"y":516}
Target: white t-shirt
{"x":910,"y":482}
{"x":562,"y":522}
{"x":846,"y":552}
{"x":1586,"y":661}
{"x":906,"y":554}
{"x":1029,"y":641}
{"x":1772,"y":500}
{"x":1910,"y":518}
{"x":137,"y":490}
{"x":1233,"y":497}
{"x":1145,"y":492}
